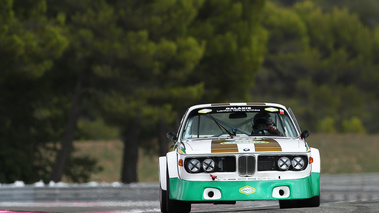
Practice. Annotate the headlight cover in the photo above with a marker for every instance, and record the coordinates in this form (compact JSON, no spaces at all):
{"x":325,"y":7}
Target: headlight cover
{"x":208,"y":165}
{"x":298,"y":163}
{"x":194,"y":165}
{"x":284,"y":163}
{"x":199,"y":164}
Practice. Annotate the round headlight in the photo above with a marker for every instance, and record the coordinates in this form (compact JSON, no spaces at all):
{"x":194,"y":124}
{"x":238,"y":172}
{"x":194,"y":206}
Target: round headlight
{"x":284,"y":163}
{"x":208,"y":165}
{"x":193,"y":165}
{"x":298,"y":163}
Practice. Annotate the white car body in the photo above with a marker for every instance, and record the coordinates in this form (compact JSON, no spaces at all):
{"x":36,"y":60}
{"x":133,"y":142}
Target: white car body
{"x":219,"y":156}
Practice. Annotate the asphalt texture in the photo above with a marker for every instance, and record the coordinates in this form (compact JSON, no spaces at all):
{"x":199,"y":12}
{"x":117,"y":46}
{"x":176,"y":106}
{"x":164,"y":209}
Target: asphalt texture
{"x":339,"y":193}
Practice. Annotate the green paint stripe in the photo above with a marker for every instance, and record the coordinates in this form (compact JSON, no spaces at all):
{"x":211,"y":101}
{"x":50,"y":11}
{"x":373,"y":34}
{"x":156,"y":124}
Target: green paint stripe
{"x":193,"y":190}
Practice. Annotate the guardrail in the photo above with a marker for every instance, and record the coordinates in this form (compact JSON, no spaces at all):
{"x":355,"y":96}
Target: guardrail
{"x":350,"y":187}
{"x":354,"y":187}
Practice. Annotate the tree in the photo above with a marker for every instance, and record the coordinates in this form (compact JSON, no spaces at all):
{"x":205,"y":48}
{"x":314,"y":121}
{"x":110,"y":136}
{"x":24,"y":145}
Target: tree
{"x":138,"y":63}
{"x":165,"y":48}
{"x":29,"y":44}
{"x":235,"y":44}
{"x":159,"y":58}
{"x":116,"y":63}
{"x":93,"y":34}
{"x":321,"y":62}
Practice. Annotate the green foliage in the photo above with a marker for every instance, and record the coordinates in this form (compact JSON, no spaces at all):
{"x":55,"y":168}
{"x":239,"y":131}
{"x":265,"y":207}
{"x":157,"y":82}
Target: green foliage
{"x":29,"y":116}
{"x":234,"y":48}
{"x":80,"y":168}
{"x":353,"y":125}
{"x":322,"y":61}
{"x":326,"y":125}
{"x":141,"y":63}
{"x":96,"y":130}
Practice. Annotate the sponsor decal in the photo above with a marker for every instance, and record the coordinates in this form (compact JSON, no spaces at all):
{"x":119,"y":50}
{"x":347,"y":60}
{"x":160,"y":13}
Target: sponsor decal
{"x":204,"y":111}
{"x":281,"y":112}
{"x":180,"y":149}
{"x":172,"y":148}
{"x":271,"y":109}
{"x":238,"y":109}
{"x":307,"y":146}
{"x":247,"y":190}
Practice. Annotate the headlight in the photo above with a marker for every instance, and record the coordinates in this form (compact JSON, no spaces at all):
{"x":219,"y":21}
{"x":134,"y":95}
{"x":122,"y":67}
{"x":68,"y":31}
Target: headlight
{"x":208,"y":165}
{"x":298,"y":163}
{"x":284,"y":163}
{"x":193,"y":165}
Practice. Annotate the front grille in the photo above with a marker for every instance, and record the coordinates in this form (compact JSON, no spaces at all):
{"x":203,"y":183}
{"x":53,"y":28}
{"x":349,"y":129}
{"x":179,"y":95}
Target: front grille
{"x":246,"y":165}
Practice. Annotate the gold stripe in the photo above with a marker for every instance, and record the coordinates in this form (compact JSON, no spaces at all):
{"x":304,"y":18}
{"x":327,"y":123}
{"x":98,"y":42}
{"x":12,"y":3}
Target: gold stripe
{"x":219,"y":147}
{"x":271,"y":146}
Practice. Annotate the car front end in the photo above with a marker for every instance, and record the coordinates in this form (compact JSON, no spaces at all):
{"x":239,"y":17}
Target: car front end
{"x":216,"y":159}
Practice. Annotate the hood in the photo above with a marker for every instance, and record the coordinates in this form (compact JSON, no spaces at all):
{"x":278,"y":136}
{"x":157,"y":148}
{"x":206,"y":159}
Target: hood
{"x":244,"y":145}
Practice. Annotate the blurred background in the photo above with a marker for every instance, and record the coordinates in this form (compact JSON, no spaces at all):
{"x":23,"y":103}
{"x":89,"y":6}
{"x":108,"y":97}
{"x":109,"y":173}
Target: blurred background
{"x":89,"y":88}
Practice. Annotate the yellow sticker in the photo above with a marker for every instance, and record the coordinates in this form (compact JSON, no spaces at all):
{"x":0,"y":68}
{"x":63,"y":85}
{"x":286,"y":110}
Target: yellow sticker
{"x":244,"y":142}
{"x":204,"y":111}
{"x":271,"y":109}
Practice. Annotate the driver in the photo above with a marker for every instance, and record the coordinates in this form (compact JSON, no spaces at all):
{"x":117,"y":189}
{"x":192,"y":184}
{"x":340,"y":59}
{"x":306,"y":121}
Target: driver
{"x":262,"y":122}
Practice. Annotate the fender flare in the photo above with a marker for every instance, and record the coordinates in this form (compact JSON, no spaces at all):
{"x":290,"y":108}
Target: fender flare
{"x":316,"y":165}
{"x":162,"y":172}
{"x":167,"y":163}
{"x":315,"y":173}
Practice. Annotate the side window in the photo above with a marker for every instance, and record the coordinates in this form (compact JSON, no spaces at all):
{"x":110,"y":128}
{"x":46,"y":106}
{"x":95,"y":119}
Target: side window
{"x":294,"y":119}
{"x":289,"y":129}
{"x":188,"y":131}
{"x":284,"y":125}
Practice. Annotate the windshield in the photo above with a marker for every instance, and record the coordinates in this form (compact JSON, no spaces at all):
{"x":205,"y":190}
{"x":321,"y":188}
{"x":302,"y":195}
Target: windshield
{"x":238,"y":121}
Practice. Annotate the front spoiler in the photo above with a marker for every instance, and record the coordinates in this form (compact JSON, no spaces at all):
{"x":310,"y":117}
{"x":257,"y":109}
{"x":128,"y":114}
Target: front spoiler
{"x":302,"y":188}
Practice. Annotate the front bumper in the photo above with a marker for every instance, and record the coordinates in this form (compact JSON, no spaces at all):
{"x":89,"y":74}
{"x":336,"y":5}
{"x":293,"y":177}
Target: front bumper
{"x":279,"y":189}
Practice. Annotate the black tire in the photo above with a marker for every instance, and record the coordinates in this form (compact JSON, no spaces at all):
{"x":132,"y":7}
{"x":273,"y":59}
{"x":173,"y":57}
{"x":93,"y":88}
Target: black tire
{"x":163,"y":200}
{"x":311,"y":202}
{"x":173,"y":205}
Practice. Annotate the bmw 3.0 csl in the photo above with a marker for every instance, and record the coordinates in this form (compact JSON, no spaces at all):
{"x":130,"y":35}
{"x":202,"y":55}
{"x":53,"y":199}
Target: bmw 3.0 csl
{"x":223,"y":153}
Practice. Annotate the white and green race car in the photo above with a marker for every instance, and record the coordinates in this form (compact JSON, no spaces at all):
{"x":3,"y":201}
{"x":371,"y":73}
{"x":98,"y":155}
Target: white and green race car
{"x":223,"y":153}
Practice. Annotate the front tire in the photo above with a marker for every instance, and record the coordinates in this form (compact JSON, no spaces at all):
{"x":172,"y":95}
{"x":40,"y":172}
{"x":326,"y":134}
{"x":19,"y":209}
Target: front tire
{"x":311,"y":202}
{"x":168,"y":205}
{"x":163,"y":200}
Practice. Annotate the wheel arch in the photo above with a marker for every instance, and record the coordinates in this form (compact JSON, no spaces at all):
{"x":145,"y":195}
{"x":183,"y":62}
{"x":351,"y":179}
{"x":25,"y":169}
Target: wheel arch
{"x":316,"y":165}
{"x":168,"y":168}
{"x":162,"y":172}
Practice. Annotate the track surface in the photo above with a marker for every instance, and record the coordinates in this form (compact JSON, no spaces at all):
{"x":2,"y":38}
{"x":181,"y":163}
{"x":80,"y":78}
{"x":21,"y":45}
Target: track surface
{"x":342,"y":193}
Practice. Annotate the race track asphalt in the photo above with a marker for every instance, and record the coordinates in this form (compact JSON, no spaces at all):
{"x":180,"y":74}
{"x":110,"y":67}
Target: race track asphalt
{"x":339,"y":193}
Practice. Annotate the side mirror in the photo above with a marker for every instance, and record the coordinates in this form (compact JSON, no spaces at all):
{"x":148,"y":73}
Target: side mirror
{"x":171,"y":136}
{"x":305,"y":134}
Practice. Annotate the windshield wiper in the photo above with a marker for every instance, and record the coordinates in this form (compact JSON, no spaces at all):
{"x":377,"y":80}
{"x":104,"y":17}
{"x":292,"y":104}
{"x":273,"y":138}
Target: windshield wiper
{"x":222,"y":127}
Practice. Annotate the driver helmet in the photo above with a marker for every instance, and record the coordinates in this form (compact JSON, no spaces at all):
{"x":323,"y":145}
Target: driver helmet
{"x":262,"y":118}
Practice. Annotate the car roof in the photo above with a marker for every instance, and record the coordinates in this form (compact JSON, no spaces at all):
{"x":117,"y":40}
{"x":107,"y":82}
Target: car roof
{"x":236,"y":104}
